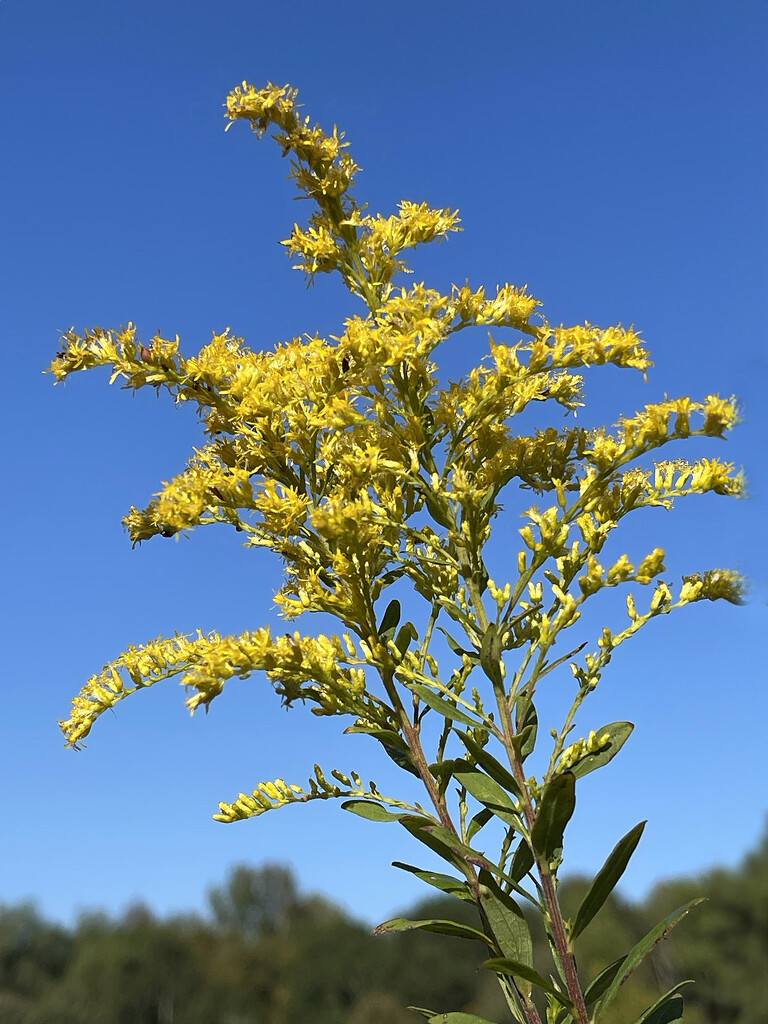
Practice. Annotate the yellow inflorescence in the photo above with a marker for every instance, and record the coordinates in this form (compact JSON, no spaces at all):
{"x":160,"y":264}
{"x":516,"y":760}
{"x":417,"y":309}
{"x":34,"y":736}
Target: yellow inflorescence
{"x":349,"y":460}
{"x":579,"y":750}
{"x":300,"y":667}
{"x":268,"y":796}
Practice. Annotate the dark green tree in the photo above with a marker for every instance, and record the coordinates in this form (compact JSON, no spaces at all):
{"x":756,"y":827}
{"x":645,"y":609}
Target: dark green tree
{"x":271,"y":955}
{"x":725,"y":946}
{"x":140,"y":972}
{"x":254,"y":901}
{"x":34,"y":955}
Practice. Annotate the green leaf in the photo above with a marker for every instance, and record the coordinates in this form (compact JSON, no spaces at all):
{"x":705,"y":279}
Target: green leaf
{"x":558,"y":802}
{"x":619,"y":733}
{"x":490,"y":655}
{"x":458,"y":1018}
{"x":524,"y":742}
{"x":445,"y":844}
{"x":522,"y":862}
{"x":445,"y":883}
{"x":456,"y":647}
{"x":389,"y":622}
{"x":482,"y":817}
{"x":602,"y":981}
{"x":490,"y":765}
{"x":639,"y":952}
{"x":548,"y":667}
{"x":402,"y":758}
{"x":427,"y":421}
{"x":437,"y":510}
{"x":509,"y":927}
{"x":666,"y":1013}
{"x":518,"y":970}
{"x":459,"y":616}
{"x":442,"y":705}
{"x":393,"y":744}
{"x":488,"y":792}
{"x":389,"y":736}
{"x":389,"y":577}
{"x":442,"y":842}
{"x":422,"y":1011}
{"x":527,"y":724}
{"x":443,"y":770}
{"x":605,"y":880}
{"x":666,"y":1009}
{"x":406,"y":634}
{"x":481,"y":577}
{"x":372,"y":811}
{"x":402,"y":924}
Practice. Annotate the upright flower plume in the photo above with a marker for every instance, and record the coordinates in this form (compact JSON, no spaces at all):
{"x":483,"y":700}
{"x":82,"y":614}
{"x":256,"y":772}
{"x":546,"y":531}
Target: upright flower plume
{"x":348,"y":459}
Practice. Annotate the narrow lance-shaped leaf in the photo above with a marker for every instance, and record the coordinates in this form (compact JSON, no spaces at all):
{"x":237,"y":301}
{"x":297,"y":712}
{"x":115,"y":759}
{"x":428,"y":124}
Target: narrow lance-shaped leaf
{"x":509,"y":927}
{"x":390,"y":620}
{"x":489,"y":764}
{"x":447,"y":845}
{"x":405,"y":636}
{"x":442,"y":842}
{"x":669,"y":1011}
{"x":437,"y":509}
{"x":606,"y":879}
{"x":458,"y":1018}
{"x":639,"y":952}
{"x":456,"y":647}
{"x":619,"y":733}
{"x":372,"y":811}
{"x":527,"y":723}
{"x":522,"y":862}
{"x":426,"y":1014}
{"x":503,"y":965}
{"x":443,"y":772}
{"x":389,"y":578}
{"x":548,"y":667}
{"x":667,"y":1008}
{"x":443,"y":705}
{"x":558,"y":802}
{"x":445,"y":883}
{"x":524,"y":742}
{"x":483,"y":816}
{"x":402,"y":758}
{"x":602,"y":981}
{"x":490,"y":655}
{"x":393,"y":744}
{"x":402,"y":924}
{"x":488,"y":792}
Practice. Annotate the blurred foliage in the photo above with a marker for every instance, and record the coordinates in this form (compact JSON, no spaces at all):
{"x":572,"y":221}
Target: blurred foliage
{"x":269,"y":955}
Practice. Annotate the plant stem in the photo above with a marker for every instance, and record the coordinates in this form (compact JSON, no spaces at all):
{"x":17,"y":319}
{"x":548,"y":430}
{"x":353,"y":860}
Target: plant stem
{"x":559,"y":932}
{"x":411,"y":736}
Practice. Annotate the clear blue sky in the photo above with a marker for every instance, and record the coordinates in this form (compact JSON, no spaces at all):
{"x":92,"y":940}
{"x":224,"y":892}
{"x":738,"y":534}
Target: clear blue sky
{"x":611,"y":155}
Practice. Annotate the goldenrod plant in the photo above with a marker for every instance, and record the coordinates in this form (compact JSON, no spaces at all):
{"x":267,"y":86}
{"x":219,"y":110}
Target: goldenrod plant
{"x":347,"y":459}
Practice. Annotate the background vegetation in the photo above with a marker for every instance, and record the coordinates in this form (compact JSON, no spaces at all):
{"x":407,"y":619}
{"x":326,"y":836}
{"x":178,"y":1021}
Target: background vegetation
{"x":267,"y":954}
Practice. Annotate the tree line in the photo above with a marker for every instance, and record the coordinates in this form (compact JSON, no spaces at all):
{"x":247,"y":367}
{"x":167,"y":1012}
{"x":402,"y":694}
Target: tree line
{"x":268,"y":954}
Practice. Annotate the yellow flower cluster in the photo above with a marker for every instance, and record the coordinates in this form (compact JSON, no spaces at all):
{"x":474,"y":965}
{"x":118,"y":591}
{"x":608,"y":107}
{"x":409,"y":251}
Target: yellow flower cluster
{"x":587,"y":345}
{"x":579,"y":750}
{"x":322,"y":169}
{"x":348,"y":459}
{"x":270,"y":795}
{"x":717,"y":584}
{"x":299,"y":667}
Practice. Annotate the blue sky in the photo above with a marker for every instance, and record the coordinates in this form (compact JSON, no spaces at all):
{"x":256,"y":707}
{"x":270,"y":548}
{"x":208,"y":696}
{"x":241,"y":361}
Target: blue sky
{"x":611,"y":155}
